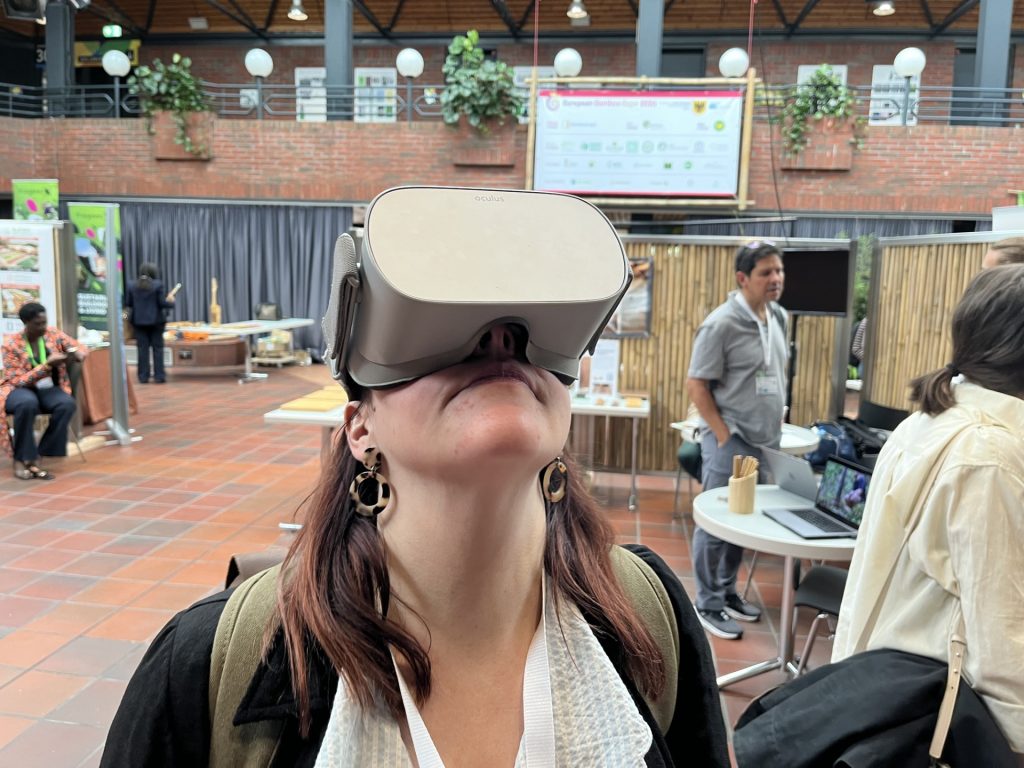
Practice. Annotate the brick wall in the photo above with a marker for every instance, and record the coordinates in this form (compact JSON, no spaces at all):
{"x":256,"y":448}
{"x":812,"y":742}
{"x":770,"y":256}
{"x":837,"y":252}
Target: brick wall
{"x":928,"y":169}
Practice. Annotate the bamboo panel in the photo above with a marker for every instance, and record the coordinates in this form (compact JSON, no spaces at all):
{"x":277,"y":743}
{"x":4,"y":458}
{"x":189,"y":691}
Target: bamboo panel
{"x":909,"y":330}
{"x":689,"y":281}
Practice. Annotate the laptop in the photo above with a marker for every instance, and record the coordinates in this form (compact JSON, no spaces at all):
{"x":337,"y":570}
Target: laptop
{"x":838,"y":504}
{"x":791,"y":473}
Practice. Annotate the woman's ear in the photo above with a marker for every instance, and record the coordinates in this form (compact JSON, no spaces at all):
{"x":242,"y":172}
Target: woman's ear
{"x":357,"y":427}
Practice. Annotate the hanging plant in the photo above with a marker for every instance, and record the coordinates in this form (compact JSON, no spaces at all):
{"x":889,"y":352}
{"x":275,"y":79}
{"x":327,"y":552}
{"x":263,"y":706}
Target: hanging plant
{"x":823,"y":97}
{"x":482,"y":89}
{"x":170,"y":88}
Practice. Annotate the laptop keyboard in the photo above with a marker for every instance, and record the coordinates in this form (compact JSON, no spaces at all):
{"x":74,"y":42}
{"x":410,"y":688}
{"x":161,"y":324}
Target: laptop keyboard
{"x":815,"y":518}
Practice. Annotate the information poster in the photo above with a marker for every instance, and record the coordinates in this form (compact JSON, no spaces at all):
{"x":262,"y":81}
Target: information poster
{"x":375,"y":99}
{"x":27,"y":270}
{"x":888,"y":91}
{"x":649,"y":143}
{"x":35,"y":199}
{"x":91,"y":260}
{"x":311,"y":94}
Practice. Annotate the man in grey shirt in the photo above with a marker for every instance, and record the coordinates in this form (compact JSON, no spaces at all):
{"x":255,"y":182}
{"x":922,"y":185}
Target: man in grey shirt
{"x":737,"y":380}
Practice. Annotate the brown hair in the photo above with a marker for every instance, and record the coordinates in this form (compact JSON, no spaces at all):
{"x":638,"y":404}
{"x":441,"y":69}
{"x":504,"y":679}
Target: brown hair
{"x":988,"y":329}
{"x":1010,"y":250}
{"x":337,"y":568}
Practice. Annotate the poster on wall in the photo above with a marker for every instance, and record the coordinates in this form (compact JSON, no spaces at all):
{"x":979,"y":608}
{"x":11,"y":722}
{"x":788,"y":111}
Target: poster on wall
{"x":639,"y":143}
{"x":888,"y":92}
{"x":311,"y":94}
{"x":375,"y":94}
{"x":632,"y":318}
{"x":28,"y":270}
{"x":35,"y":199}
{"x":91,"y":261}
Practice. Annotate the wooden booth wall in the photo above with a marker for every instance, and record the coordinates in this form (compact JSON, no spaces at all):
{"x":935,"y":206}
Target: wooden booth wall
{"x":689,"y":281}
{"x":915,"y":290}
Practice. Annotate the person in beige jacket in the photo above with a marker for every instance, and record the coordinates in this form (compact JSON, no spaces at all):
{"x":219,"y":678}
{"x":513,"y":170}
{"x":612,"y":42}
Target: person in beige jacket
{"x":956,"y":467}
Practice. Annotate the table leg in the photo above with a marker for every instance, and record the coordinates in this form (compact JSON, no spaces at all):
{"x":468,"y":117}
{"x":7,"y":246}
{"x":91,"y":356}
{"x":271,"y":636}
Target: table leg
{"x":784,"y":660}
{"x":632,"y":469}
{"x":249,"y":375}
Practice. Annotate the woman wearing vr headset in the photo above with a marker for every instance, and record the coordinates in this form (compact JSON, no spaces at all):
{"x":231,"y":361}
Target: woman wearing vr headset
{"x":454,"y":598}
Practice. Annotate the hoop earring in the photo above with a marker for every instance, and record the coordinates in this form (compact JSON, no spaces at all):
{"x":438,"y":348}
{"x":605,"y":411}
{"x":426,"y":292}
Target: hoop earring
{"x":555,"y":480}
{"x":360,"y":487}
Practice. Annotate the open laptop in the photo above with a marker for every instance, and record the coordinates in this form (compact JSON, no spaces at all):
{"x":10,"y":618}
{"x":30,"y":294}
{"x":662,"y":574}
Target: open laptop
{"x":791,"y":473}
{"x":838,"y":504}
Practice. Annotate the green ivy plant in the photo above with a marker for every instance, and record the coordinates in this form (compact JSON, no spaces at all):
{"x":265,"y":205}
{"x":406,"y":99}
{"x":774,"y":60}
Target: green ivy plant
{"x":170,"y":88}
{"x":482,"y":89}
{"x":823,"y":96}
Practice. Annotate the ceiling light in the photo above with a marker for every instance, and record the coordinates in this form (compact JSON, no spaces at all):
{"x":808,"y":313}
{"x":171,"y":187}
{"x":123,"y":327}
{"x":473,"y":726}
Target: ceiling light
{"x":584,"y":22}
{"x":883,"y":7}
{"x":297,"y":12}
{"x":198,"y":22}
{"x":577,"y":10}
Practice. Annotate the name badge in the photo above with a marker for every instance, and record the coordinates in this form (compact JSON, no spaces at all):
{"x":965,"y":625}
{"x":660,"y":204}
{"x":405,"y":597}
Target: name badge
{"x":767,"y":385}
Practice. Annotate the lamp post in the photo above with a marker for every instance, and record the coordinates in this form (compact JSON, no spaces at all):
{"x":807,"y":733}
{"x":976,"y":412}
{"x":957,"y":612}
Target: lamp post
{"x":733,"y":63}
{"x":568,"y":62}
{"x":259,"y":64}
{"x":116,"y":64}
{"x":909,"y":63}
{"x":409,"y":63}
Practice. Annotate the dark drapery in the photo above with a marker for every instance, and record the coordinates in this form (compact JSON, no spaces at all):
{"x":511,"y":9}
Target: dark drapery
{"x":258,"y":253}
{"x":825,"y":226}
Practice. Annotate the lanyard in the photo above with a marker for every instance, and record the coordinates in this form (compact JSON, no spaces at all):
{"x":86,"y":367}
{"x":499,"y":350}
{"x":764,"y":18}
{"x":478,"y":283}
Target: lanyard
{"x":764,"y":330}
{"x":538,"y":717}
{"x":42,"y":353}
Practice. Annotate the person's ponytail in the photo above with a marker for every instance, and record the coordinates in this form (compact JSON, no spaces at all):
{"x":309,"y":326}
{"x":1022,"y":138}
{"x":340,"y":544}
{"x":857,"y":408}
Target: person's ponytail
{"x":933,"y":392}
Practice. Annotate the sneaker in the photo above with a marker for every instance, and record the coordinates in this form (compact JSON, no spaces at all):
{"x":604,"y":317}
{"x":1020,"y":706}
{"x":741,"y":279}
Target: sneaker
{"x":740,"y":609}
{"x":719,"y":624}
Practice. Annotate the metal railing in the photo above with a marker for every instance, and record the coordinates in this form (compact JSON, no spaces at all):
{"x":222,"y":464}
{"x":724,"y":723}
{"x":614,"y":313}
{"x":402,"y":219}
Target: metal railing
{"x":407,"y":102}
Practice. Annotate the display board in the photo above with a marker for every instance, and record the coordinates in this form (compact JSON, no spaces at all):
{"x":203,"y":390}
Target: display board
{"x":888,"y":92}
{"x":817,"y":281}
{"x":375,"y":94}
{"x":28,"y":270}
{"x":674,"y":143}
{"x":311,"y":94}
{"x":92,"y":263}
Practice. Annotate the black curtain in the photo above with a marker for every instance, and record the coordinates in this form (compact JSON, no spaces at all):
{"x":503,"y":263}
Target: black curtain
{"x":825,"y":226}
{"x":258,"y":253}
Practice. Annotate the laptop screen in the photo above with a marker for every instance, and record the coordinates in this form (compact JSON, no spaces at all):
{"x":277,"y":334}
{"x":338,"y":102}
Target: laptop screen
{"x":843,"y":491}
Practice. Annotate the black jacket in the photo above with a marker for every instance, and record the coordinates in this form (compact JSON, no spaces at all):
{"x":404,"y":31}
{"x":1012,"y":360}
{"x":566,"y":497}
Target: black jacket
{"x":147,"y":305}
{"x":163,"y":719}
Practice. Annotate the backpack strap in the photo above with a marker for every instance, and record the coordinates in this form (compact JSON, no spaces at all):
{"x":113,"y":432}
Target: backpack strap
{"x":651,"y":601}
{"x":237,"y":650}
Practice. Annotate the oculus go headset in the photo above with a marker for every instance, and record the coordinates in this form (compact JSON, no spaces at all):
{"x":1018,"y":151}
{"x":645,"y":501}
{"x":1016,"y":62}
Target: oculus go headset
{"x":440,"y":266}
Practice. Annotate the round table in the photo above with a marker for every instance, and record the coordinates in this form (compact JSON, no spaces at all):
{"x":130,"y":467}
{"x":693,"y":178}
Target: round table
{"x":795,"y":440}
{"x":762,"y":534}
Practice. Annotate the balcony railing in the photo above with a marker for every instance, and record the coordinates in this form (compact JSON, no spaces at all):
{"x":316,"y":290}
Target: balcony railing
{"x":933,"y":104}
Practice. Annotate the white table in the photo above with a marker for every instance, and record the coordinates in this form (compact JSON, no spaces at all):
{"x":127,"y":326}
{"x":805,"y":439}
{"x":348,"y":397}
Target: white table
{"x":762,"y":534}
{"x":328,"y":421}
{"x":581,"y":407}
{"x":252,"y":328}
{"x":795,"y":440}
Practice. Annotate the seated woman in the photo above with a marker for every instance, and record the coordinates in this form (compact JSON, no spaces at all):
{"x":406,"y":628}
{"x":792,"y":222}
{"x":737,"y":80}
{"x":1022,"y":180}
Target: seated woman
{"x":957,"y":466}
{"x":464,"y":611}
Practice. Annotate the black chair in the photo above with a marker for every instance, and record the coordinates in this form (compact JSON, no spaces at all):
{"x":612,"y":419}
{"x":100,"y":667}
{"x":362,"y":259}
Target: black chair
{"x":691,"y":463}
{"x":880,"y":416}
{"x":821,"y":589}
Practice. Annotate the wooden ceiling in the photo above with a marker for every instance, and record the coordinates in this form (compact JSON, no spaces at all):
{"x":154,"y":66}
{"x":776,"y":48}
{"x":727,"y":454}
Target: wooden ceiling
{"x":165,"y":19}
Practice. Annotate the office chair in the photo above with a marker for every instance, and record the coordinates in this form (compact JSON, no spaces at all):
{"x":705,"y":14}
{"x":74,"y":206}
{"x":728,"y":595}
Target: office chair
{"x":821,"y":589}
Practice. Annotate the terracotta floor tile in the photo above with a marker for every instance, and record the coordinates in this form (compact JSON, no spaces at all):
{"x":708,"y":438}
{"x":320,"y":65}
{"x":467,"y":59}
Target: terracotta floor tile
{"x":110,"y":591}
{"x":57,"y":586}
{"x":166,"y":529}
{"x":69,"y":619}
{"x":16,"y":611}
{"x":9,"y":552}
{"x":134,"y":624}
{"x":150,"y":511}
{"x":36,"y":537}
{"x":174,"y":597}
{"x":181,"y":549}
{"x":8,"y":673}
{"x":206,"y":574}
{"x":191,"y":513}
{"x":12,"y":580}
{"x":11,"y":727}
{"x":86,"y":541}
{"x":44,"y":560}
{"x":149,"y":569}
{"x":94,"y":564}
{"x":125,"y":668}
{"x":93,"y":705}
{"x":132,"y":545}
{"x":88,"y":656}
{"x":211,"y":532}
{"x":24,"y":648}
{"x":48,"y":744}
{"x":62,"y":503}
{"x":120,"y":524}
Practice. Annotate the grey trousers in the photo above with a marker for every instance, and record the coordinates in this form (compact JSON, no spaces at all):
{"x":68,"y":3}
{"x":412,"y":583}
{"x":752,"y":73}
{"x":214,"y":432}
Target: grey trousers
{"x":716,"y":562}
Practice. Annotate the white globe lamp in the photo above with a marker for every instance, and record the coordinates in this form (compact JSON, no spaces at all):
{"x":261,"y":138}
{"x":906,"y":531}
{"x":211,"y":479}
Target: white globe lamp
{"x":733,"y":63}
{"x":568,"y":62}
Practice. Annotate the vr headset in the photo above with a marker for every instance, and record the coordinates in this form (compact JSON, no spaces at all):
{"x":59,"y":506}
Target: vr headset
{"x":440,"y":266}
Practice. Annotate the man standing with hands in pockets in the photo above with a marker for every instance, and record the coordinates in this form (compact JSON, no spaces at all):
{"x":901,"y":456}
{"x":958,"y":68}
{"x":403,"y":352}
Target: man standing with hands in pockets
{"x":737,"y":381}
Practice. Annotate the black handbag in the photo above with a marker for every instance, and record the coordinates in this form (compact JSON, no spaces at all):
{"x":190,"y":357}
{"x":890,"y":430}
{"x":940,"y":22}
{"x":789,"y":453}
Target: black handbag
{"x":268,"y":311}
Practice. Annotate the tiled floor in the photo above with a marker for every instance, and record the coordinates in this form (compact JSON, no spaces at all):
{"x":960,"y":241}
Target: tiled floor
{"x":95,"y":562}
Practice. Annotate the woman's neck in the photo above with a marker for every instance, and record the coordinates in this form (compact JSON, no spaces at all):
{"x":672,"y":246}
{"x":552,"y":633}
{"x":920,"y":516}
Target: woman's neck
{"x":465,"y":563}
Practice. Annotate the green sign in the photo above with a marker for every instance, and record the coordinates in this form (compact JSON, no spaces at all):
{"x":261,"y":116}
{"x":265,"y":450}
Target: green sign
{"x":91,"y":260}
{"x":35,"y":199}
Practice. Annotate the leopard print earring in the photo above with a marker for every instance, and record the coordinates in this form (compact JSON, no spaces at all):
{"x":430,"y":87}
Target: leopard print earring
{"x":370,"y":486}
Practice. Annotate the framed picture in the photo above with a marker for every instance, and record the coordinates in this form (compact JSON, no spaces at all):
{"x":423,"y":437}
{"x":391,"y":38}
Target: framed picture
{"x":632,"y":318}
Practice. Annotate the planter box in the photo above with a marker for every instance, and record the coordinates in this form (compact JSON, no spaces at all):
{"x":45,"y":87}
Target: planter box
{"x":495,"y":148}
{"x":200,"y":129}
{"x":829,"y":148}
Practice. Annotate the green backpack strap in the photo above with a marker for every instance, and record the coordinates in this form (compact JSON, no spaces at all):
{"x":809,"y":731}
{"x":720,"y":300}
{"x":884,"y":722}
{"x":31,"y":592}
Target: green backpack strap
{"x":237,"y":650}
{"x":651,"y":601}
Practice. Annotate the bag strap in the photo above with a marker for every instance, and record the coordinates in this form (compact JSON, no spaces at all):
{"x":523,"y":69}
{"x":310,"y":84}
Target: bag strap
{"x":237,"y":650}
{"x":650,"y":599}
{"x":957,"y":651}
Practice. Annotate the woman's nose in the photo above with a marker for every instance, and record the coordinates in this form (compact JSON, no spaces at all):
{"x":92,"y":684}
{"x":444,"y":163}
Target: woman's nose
{"x":498,"y":342}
